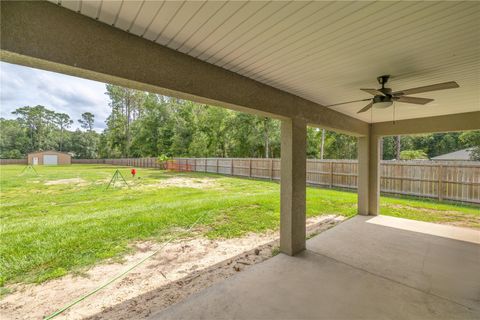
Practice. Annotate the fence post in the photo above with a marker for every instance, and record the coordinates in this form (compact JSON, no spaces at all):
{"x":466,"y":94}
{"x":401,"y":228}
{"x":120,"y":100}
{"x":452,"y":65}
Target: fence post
{"x":440,"y":184}
{"x":401,"y":177}
{"x":217,"y":165}
{"x":271,"y":169}
{"x":250,"y":167}
{"x":331,"y":174}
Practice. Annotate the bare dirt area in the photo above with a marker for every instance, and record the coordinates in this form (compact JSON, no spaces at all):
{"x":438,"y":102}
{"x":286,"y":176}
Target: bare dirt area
{"x":180,"y":269}
{"x":78,"y":181}
{"x":183,"y":182}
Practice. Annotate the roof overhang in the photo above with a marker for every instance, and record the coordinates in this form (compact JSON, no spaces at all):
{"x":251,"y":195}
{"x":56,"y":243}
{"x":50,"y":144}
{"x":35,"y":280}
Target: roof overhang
{"x":43,"y":35}
{"x":284,"y":59}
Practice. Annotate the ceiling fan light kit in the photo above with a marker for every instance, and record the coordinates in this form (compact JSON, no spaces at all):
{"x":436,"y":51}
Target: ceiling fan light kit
{"x":381,"y":102}
{"x":384,"y":97}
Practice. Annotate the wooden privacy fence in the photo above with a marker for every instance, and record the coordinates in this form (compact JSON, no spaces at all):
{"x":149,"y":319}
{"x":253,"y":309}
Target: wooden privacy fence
{"x":452,"y":180}
{"x":13,"y":161}
{"x":133,"y":162}
{"x":457,"y":181}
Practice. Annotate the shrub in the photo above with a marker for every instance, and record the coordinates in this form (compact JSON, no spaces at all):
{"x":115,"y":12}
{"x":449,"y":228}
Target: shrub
{"x":413,"y":155}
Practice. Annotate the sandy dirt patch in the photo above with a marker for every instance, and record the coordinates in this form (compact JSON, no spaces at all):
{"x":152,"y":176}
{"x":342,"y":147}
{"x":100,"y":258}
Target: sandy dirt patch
{"x":179,"y":270}
{"x":183,"y":182}
{"x":78,"y":181}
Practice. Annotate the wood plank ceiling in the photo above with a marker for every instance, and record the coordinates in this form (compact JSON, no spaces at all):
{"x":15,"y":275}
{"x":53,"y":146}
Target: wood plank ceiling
{"x":322,"y":51}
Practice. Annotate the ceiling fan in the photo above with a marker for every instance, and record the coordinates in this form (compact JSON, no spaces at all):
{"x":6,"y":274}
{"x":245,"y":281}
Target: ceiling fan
{"x":384,"y":97}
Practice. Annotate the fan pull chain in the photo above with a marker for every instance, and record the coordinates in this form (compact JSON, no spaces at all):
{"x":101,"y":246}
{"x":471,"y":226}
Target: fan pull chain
{"x":394,"y":109}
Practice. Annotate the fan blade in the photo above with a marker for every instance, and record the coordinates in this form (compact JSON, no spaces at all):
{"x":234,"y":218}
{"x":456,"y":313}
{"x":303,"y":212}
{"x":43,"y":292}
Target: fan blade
{"x":433,"y":87}
{"x":337,"y":104}
{"x":367,"y":107}
{"x":414,"y":100}
{"x":374,"y":92}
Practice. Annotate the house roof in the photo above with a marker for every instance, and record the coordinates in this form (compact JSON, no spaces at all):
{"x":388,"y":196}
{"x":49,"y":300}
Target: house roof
{"x":464,"y":154}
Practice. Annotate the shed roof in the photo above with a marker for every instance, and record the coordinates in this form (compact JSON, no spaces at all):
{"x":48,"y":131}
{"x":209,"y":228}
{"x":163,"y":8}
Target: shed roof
{"x":50,"y":151}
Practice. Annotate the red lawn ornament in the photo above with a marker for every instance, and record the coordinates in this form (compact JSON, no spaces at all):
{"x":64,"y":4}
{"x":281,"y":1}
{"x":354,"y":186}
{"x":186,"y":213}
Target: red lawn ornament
{"x":133,"y":172}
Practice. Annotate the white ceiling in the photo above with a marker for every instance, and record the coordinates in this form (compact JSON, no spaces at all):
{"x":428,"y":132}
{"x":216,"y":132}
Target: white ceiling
{"x":321,"y":51}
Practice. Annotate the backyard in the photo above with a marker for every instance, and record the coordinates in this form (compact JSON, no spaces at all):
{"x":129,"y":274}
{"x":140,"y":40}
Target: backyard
{"x":64,"y":219}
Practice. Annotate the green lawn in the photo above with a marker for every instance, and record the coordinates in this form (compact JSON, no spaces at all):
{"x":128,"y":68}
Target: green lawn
{"x":51,"y":227}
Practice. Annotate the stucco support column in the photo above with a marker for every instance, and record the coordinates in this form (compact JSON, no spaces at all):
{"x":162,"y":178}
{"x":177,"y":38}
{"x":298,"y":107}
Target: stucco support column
{"x":369,"y":174}
{"x":293,"y":186}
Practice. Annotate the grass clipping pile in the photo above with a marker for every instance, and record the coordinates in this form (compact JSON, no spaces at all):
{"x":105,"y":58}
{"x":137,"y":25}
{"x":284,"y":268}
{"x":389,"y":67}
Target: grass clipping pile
{"x":182,"y":268}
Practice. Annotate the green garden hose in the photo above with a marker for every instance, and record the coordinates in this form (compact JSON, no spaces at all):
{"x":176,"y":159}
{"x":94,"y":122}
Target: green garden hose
{"x":59,"y":311}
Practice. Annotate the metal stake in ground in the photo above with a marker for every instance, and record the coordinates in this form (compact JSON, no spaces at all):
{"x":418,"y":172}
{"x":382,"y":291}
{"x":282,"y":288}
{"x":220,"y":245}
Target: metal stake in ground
{"x":117,"y":176}
{"x":28,"y":169}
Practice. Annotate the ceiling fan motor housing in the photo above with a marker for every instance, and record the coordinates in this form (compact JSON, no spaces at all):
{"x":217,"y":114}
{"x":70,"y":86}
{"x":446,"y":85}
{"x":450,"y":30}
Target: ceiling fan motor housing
{"x":383,"y":79}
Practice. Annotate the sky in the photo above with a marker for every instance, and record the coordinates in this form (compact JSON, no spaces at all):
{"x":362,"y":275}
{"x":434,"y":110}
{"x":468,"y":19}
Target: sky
{"x":23,"y":86}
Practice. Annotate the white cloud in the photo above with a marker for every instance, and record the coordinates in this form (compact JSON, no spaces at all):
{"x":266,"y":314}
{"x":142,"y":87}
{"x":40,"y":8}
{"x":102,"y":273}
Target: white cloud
{"x":22,"y":86}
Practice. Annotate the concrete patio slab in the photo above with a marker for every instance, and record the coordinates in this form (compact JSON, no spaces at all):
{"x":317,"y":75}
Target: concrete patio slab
{"x":357,"y":270}
{"x":431,"y":263}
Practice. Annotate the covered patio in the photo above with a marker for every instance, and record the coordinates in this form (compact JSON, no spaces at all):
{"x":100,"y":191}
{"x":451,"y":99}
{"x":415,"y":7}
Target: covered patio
{"x":292,"y":61}
{"x":365,"y":268}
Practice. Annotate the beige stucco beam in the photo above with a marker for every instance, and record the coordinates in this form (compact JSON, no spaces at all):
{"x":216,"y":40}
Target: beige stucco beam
{"x":44,"y":35}
{"x":451,"y":122}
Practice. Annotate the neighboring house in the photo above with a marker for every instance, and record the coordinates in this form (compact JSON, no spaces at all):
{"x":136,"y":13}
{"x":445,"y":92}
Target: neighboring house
{"x":459,"y":155}
{"x":49,"y":158}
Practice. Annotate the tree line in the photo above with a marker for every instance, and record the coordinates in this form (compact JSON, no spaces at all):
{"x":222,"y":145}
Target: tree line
{"x":39,"y":128}
{"x":144,"y":124}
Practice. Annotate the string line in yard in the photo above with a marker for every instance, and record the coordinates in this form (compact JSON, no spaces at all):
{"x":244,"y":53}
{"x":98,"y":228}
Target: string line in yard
{"x":85,"y":296}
